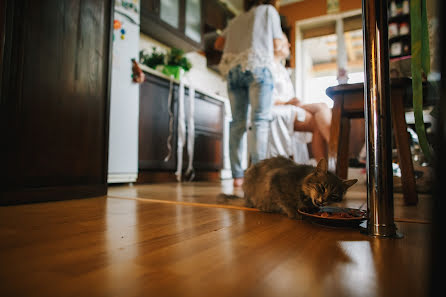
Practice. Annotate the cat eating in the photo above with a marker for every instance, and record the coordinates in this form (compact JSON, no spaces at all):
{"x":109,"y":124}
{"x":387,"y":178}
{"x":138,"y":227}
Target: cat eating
{"x":280,"y":185}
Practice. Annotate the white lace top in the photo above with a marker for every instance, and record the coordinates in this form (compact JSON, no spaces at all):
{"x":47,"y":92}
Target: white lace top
{"x":283,"y":87}
{"x":249,"y":39}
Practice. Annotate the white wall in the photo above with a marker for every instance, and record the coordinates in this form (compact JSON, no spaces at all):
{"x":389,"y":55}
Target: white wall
{"x":199,"y":75}
{"x":205,"y":78}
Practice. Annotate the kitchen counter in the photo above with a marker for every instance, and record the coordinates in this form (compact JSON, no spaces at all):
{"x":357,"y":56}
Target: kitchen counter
{"x":211,"y":118}
{"x":187,"y":84}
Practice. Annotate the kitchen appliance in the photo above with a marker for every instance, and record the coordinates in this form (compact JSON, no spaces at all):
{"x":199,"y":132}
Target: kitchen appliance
{"x":124,"y":99}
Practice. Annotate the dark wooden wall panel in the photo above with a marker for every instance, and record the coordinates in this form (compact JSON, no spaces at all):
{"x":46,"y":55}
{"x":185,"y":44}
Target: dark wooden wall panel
{"x":55,"y":99}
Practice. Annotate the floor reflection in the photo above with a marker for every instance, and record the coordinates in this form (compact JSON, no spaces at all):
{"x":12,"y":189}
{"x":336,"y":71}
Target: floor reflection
{"x":122,"y":237}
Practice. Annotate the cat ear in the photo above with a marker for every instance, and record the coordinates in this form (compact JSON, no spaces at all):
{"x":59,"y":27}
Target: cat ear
{"x":322,"y":166}
{"x":348,"y":183}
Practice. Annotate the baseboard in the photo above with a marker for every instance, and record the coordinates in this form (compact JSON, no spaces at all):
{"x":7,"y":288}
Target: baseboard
{"x":122,"y":178}
{"x":150,"y":177}
{"x":36,"y":195}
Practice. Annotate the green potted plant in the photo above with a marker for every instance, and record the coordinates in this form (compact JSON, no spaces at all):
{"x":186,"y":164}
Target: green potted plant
{"x":175,"y":62}
{"x":152,"y":60}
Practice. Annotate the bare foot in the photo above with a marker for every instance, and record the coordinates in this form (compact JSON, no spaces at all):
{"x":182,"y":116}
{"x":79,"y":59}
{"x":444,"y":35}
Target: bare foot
{"x":238,"y":181}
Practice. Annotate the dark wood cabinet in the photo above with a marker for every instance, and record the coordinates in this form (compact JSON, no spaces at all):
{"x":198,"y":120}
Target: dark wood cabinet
{"x":176,"y":23}
{"x":208,"y":114}
{"x":209,"y":121}
{"x":216,"y":17}
{"x":54,"y":100}
{"x":208,"y":151}
{"x":154,"y":124}
{"x":151,"y":6}
{"x":154,"y":129}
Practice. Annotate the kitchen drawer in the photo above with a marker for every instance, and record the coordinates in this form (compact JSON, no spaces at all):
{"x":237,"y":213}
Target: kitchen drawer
{"x":209,"y":114}
{"x":208,"y":154}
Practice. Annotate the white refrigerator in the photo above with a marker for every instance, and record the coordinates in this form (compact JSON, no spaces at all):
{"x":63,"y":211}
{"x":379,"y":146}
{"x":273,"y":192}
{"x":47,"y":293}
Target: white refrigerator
{"x":124,"y":99}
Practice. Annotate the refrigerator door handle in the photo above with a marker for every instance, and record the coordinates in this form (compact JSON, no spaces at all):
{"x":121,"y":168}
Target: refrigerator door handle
{"x":127,"y":17}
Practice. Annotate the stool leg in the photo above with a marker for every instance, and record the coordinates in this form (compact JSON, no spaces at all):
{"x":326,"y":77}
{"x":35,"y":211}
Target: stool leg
{"x":342,"y":164}
{"x":335,"y":133}
{"x":403,"y":148}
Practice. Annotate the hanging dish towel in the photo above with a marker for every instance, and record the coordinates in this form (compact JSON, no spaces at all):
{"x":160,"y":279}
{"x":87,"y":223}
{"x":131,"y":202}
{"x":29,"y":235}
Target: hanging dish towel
{"x":169,"y":108}
{"x":190,"y":173}
{"x":181,"y":128}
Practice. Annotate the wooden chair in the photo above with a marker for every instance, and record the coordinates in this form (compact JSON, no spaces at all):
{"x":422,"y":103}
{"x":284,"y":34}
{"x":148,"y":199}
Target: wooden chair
{"x":349,"y":103}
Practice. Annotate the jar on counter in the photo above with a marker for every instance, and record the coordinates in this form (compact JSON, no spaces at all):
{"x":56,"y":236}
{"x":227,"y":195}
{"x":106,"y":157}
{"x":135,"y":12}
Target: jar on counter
{"x":406,"y":7}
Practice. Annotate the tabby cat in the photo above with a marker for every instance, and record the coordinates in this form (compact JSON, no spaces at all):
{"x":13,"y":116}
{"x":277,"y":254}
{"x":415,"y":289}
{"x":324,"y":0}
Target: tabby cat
{"x":280,"y":185}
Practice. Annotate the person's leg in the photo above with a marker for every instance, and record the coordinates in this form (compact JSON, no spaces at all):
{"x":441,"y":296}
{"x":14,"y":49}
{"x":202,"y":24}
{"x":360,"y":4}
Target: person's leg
{"x":322,"y":115}
{"x":260,"y":96}
{"x":318,"y":144}
{"x":239,"y":99}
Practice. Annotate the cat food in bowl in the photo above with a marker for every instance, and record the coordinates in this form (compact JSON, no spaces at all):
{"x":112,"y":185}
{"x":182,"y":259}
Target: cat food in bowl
{"x":335,"y":215}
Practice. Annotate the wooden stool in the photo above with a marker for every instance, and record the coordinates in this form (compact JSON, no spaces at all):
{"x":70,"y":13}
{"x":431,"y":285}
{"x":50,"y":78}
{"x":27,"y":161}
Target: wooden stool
{"x":349,"y":103}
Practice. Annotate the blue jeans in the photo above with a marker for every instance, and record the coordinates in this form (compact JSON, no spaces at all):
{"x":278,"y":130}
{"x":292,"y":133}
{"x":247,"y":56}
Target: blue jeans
{"x":246,"y":88}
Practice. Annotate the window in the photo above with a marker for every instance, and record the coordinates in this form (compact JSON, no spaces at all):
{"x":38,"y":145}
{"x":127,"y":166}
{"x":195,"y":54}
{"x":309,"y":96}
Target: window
{"x":319,"y":68}
{"x":193,"y":20}
{"x":329,"y":47}
{"x":170,"y":11}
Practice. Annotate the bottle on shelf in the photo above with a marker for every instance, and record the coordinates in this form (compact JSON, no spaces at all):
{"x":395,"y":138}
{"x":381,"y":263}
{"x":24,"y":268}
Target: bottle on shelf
{"x":393,"y":9}
{"x":406,"y":7}
{"x":404,"y":28}
{"x":393,"y":29}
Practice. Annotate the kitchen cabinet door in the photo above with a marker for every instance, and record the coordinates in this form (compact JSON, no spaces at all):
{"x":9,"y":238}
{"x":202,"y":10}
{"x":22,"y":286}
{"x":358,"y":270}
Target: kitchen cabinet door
{"x":208,"y":121}
{"x":208,"y":114}
{"x":208,"y":153}
{"x":151,"y":6}
{"x":193,"y":20}
{"x":176,"y":23}
{"x":170,"y":12}
{"x":154,"y":125}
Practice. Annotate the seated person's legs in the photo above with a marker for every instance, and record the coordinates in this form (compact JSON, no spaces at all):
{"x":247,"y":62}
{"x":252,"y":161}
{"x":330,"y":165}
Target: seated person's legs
{"x":322,"y":115}
{"x":318,"y":144}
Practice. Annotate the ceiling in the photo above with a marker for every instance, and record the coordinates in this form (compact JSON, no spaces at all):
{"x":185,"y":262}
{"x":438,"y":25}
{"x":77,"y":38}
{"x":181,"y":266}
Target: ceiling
{"x":323,"y":51}
{"x":286,"y":2}
{"x":236,"y":4}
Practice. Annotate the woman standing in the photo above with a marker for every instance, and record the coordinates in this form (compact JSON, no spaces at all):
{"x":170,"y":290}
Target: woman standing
{"x":248,"y":55}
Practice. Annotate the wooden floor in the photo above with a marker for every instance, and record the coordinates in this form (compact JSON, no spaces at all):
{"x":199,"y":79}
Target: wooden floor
{"x":205,"y":194}
{"x":174,"y":240}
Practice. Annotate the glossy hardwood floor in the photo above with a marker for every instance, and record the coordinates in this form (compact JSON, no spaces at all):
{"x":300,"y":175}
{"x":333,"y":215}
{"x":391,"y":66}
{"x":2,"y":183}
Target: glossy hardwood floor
{"x":156,"y":240}
{"x":205,"y":194}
